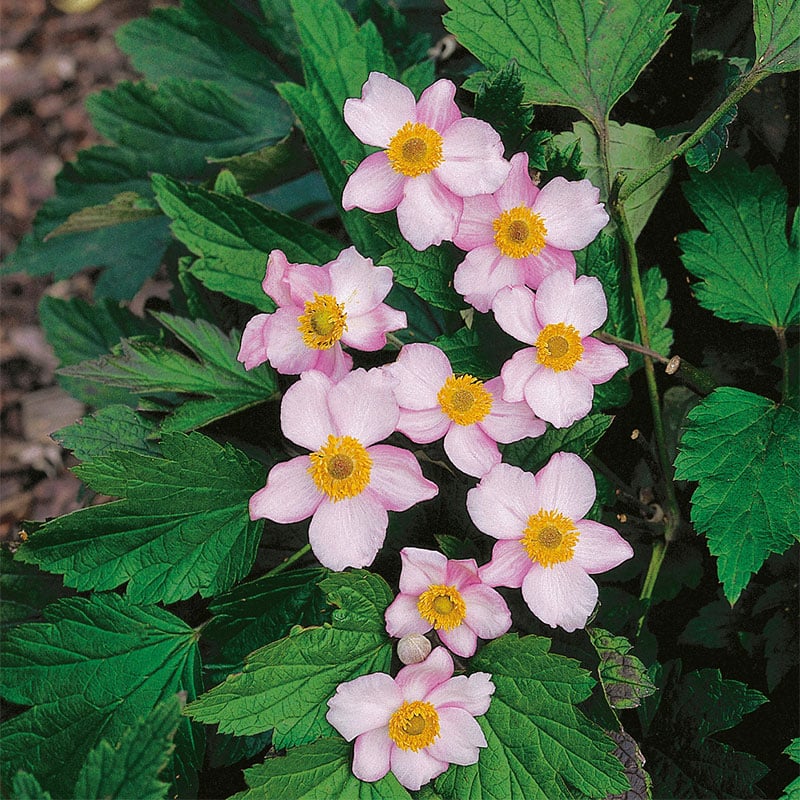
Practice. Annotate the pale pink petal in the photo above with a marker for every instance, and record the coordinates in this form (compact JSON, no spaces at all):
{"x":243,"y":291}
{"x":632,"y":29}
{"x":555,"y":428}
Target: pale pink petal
{"x":566,"y":485}
{"x":487,"y":612}
{"x":402,"y":616}
{"x":473,"y":693}
{"x":536,"y":268}
{"x":416,"y":681}
{"x":305,"y":418}
{"x":475,"y":227}
{"x":428,"y":213}
{"x":600,"y":361}
{"x":580,"y":302}
{"x":461,"y":572}
{"x":306,"y":280}
{"x":285,"y":348}
{"x":460,"y":737}
{"x":368,"y":331}
{"x":290,"y":494}
{"x":502,"y":502}
{"x":599,"y":547}
{"x":372,"y":754}
{"x":560,"y":398}
{"x":483,"y":273}
{"x":363,"y":406}
{"x":471,"y":450}
{"x":517,"y":373}
{"x":334,"y":362}
{"x":348,"y":533}
{"x":413,"y":768}
{"x":509,"y":565}
{"x":517,"y":189}
{"x":420,"y":372}
{"x":473,"y":158}
{"x":461,"y":640}
{"x":274,"y":283}
{"x":515,"y":311}
{"x":571,"y":212}
{"x":397,"y":480}
{"x":357,"y":282}
{"x":509,"y":422}
{"x":364,"y":704}
{"x":253,"y":349}
{"x":421,"y":569}
{"x":384,"y":107}
{"x":424,"y":426}
{"x":436,"y":107}
{"x":560,"y":596}
{"x":374,"y":186}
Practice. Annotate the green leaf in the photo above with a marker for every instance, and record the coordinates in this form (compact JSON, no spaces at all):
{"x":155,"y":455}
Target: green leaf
{"x":658,"y":309}
{"x":148,"y":368}
{"x":499,"y":102}
{"x":792,"y":791}
{"x":286,"y":684}
{"x":747,"y":268}
{"x":777,"y":35}
{"x":463,"y":348}
{"x":743,"y":450}
{"x":124,"y":207}
{"x":573,"y":53}
{"x":540,"y":746}
{"x":628,"y":752}
{"x":26,"y":787}
{"x":623,"y":676}
{"x":580,"y":438}
{"x":131,"y":767}
{"x":713,"y":626}
{"x":317,"y":771}
{"x":233,"y":237}
{"x":24,"y":590}
{"x":92,"y":669}
{"x":182,"y":526}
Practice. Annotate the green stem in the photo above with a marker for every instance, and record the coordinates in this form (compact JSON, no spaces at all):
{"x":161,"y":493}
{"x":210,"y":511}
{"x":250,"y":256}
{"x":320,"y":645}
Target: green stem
{"x":626,"y":344}
{"x":745,"y":84}
{"x":289,"y":561}
{"x":656,"y":560}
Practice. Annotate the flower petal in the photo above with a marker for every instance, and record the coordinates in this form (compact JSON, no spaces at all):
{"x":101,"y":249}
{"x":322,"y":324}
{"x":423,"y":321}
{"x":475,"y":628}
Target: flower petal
{"x":436,"y":107}
{"x":571,"y":212}
{"x":402,"y":617}
{"x":362,"y":405}
{"x":560,"y":398}
{"x":502,"y":502}
{"x":305,"y":417}
{"x":372,"y":754}
{"x":536,"y":268}
{"x":566,"y":484}
{"x":374,"y":186}
{"x":364,"y":704}
{"x":368,"y":331}
{"x":562,"y":595}
{"x":285,"y":348}
{"x":471,"y":449}
{"x":461,"y":640}
{"x":517,"y":372}
{"x":599,"y":547}
{"x":384,"y":107}
{"x":509,"y":422}
{"x":357,"y":282}
{"x":517,"y":189}
{"x":348,"y":533}
{"x":428,"y":212}
{"x":413,"y":768}
{"x":396,"y":479}
{"x":306,"y":280}
{"x":253,"y":349}
{"x":600,"y":361}
{"x":424,"y":426}
{"x":487,"y":612}
{"x":483,"y":273}
{"x":417,"y":680}
{"x":275,"y":284}
{"x":421,"y":569}
{"x":420,"y":371}
{"x":290,"y":494}
{"x":515,"y":311}
{"x":580,"y":302}
{"x":460,"y":737}
{"x":475,"y":227}
{"x":473,"y":158}
{"x":472,"y":693}
{"x":509,"y":565}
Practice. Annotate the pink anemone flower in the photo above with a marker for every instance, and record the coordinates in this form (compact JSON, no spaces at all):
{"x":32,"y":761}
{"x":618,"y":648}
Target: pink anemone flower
{"x":448,"y":596}
{"x":430,"y":157}
{"x":470,"y":414}
{"x":347,"y":484}
{"x":520,"y":234}
{"x":416,"y":724}
{"x":545,"y":546}
{"x":557,"y":375}
{"x":319,"y":310}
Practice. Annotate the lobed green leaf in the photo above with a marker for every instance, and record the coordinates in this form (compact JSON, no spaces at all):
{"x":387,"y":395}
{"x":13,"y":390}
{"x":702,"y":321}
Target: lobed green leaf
{"x":777,"y":34}
{"x":623,"y":676}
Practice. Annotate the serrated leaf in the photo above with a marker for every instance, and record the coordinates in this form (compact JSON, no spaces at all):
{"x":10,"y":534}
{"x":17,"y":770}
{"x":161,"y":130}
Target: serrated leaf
{"x":777,"y":34}
{"x":623,"y":676}
{"x":499,"y":102}
{"x":114,"y":427}
{"x":285,"y":685}
{"x":792,"y":791}
{"x":233,"y":236}
{"x":24,"y":590}
{"x":317,"y":771}
{"x":712,"y":627}
{"x":26,"y":787}
{"x":747,"y":269}
{"x":131,"y":767}
{"x":628,"y":752}
{"x":124,"y":207}
{"x":91,"y":670}
{"x":463,"y":348}
{"x":573,"y":53}
{"x":743,"y":450}
{"x":182,"y":526}
{"x":658,"y":309}
{"x":540,"y":746}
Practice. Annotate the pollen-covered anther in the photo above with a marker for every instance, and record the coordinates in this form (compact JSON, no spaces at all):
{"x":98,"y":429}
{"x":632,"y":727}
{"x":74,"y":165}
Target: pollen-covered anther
{"x":549,"y":538}
{"x":442,"y":606}
{"x":519,"y":232}
{"x":559,"y":347}
{"x":464,"y":399}
{"x":415,"y":150}
{"x":341,"y":467}
{"x":323,"y":322}
{"x":414,"y":725}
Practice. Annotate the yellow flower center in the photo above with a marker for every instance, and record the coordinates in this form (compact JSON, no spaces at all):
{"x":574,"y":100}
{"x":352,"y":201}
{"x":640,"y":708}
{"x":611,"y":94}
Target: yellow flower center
{"x":341,"y":467}
{"x":559,"y":347}
{"x":442,"y":606}
{"x":464,"y":399}
{"x":414,"y":725}
{"x":519,"y":233}
{"x":549,"y":538}
{"x":323,"y":322}
{"x":415,"y":149}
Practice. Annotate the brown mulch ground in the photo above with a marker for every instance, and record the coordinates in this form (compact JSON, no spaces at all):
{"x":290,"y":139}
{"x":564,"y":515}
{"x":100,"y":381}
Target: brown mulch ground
{"x":49,"y":63}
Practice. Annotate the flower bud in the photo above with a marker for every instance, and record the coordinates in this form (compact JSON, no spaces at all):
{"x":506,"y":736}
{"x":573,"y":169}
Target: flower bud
{"x":413,"y":648}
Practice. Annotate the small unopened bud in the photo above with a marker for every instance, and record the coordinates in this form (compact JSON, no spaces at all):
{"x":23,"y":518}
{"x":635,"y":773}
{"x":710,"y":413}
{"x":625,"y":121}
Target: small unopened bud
{"x":413,"y":648}
{"x":673,"y":365}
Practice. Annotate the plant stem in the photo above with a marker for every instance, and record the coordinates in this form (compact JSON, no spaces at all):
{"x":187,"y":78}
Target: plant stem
{"x":289,"y":561}
{"x":656,"y":560}
{"x":626,"y":344}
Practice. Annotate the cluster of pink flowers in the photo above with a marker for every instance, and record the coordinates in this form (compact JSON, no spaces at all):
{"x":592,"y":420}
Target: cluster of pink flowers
{"x":448,"y":180}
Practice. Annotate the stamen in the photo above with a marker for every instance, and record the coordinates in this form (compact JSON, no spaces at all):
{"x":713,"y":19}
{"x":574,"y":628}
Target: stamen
{"x":415,"y":150}
{"x":464,"y":399}
{"x":442,"y":606}
{"x":414,"y":725}
{"x":559,"y":347}
{"x":550,"y":538}
{"x":323,"y":322}
{"x":519,"y":233}
{"x":341,"y":467}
